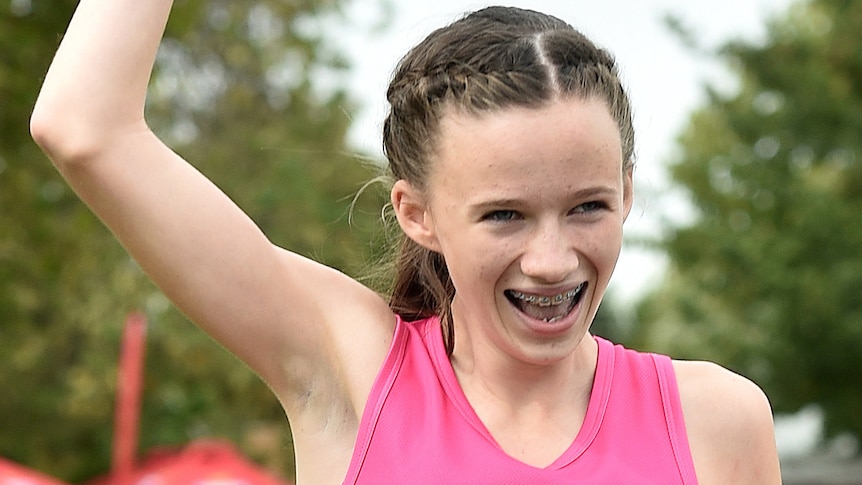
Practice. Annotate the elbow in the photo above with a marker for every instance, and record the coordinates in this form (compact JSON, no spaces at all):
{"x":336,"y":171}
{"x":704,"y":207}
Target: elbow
{"x":62,"y":140}
{"x":43,"y":131}
{"x":72,"y":133}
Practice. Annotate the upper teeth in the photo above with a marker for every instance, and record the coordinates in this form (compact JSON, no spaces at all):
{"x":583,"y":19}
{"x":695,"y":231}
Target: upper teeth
{"x":547,"y":300}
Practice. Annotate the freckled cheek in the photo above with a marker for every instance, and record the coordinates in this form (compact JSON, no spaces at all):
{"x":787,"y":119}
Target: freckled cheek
{"x":471,"y":260}
{"x":489,"y":264}
{"x":605,"y":249}
{"x":484,"y":263}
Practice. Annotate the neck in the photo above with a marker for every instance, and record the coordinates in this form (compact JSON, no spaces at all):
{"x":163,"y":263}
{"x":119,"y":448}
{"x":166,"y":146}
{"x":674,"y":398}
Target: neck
{"x":489,"y":373}
{"x":533,"y":411}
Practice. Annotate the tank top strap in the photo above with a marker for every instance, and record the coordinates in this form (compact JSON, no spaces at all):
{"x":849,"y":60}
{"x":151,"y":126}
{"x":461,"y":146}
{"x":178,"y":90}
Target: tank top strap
{"x":674,"y":417}
{"x":377,"y":397}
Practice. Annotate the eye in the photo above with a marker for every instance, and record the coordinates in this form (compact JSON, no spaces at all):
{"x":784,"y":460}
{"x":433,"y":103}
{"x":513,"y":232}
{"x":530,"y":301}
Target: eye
{"x":500,"y":216}
{"x":590,"y":207}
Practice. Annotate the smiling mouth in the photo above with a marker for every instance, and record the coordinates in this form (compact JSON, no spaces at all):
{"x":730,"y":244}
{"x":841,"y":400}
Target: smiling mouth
{"x":546,"y":308}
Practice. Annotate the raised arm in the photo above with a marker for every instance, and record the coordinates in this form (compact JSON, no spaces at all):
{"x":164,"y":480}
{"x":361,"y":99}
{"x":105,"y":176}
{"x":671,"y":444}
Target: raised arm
{"x":270,"y":307}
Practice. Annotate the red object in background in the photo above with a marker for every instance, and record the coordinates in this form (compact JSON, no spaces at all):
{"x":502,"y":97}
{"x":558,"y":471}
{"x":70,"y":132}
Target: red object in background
{"x":201,"y":462}
{"x":15,"y":474}
{"x":128,"y":405}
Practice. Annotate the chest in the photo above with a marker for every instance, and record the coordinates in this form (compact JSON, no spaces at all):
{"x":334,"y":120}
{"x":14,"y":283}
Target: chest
{"x":421,"y":429}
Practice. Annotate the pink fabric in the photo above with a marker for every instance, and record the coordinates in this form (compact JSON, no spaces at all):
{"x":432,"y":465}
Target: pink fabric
{"x":418,"y":427}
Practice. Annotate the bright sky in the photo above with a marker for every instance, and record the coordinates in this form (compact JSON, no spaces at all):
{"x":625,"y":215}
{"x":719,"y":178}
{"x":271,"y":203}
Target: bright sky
{"x":663,"y":79}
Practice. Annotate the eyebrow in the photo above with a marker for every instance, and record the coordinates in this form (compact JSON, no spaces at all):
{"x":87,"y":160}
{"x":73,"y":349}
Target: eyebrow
{"x":586,"y":193}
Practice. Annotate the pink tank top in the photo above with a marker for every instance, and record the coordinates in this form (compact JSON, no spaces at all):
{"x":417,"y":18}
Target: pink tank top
{"x":418,"y":428}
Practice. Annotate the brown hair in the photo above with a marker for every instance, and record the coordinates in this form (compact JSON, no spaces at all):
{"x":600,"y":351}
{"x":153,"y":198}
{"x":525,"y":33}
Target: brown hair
{"x":494,"y":58}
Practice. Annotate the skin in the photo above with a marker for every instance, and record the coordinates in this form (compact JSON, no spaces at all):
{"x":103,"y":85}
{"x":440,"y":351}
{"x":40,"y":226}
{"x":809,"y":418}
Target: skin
{"x":531,"y":200}
{"x":528,"y":381}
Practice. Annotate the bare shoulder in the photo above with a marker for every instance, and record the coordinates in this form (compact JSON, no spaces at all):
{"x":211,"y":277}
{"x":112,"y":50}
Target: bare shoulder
{"x":729,"y":423}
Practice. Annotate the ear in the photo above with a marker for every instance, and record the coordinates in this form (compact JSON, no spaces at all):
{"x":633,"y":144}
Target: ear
{"x":413,"y":216}
{"x":628,"y":192}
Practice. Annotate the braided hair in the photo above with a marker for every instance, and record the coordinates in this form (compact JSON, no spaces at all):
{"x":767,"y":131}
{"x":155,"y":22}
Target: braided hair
{"x":494,"y":58}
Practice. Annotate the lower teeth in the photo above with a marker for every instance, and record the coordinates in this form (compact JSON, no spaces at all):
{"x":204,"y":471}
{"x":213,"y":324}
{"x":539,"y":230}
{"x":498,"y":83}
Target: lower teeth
{"x":547,"y":309}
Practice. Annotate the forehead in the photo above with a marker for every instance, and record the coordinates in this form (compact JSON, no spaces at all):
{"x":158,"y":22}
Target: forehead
{"x":567,"y":142}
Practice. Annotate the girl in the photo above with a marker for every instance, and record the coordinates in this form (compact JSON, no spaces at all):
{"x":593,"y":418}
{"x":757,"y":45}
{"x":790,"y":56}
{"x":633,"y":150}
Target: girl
{"x":510,"y":145}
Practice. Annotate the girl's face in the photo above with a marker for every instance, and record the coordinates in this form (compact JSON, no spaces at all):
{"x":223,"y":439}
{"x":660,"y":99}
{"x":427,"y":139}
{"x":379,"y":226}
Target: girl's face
{"x":527,"y":208}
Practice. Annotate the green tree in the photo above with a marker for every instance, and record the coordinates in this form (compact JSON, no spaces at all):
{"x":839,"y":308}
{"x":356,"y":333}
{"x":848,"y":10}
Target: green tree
{"x":767,"y":278}
{"x":235,"y":91}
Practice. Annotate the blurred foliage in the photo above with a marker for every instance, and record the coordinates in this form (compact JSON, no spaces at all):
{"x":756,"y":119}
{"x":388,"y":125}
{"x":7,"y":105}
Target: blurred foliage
{"x":239,"y":89}
{"x":767,"y":278}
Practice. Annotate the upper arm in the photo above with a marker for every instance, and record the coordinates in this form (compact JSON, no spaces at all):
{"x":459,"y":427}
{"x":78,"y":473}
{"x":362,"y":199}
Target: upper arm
{"x":277,"y":311}
{"x":288,"y":317}
{"x":729,"y":424}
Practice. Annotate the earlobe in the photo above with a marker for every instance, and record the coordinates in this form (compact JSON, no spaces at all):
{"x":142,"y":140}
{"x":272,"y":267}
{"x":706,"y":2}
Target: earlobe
{"x":413,"y":216}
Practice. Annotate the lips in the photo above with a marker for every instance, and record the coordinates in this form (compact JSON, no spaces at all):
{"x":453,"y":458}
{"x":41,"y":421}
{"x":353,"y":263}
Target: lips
{"x":548,"y":308}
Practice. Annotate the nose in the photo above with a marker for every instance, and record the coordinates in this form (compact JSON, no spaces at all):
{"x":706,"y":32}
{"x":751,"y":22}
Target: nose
{"x":550,"y":255}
